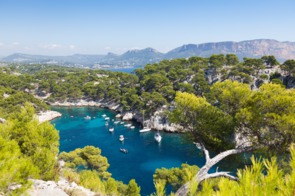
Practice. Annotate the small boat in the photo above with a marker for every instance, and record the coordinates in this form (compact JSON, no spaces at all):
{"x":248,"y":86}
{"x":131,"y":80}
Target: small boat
{"x":132,"y":127}
{"x":107,"y":118}
{"x":158,"y":137}
{"x":107,"y":124}
{"x":87,"y":117}
{"x":104,"y":115}
{"x":116,"y":122}
{"x":145,"y":129}
{"x":124,"y":150}
{"x":111,"y":129}
{"x":122,"y":123}
{"x":128,"y":125}
{"x":121,"y":138}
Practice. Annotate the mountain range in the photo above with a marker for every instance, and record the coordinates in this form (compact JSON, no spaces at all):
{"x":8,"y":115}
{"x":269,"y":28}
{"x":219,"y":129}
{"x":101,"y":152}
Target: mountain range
{"x":132,"y":58}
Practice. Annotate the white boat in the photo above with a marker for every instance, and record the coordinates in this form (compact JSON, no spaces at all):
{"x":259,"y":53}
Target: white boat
{"x":87,"y":117}
{"x":116,"y":122}
{"x":122,"y":123}
{"x":124,"y":150}
{"x":107,"y":118}
{"x":128,"y":125}
{"x":145,"y":129}
{"x":111,"y":129}
{"x":121,"y":138}
{"x":104,"y":115}
{"x":107,"y":124}
{"x":132,"y":127}
{"x":158,"y":137}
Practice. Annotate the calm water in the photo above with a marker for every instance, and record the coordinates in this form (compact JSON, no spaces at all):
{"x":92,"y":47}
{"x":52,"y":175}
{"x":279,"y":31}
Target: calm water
{"x":145,"y":154}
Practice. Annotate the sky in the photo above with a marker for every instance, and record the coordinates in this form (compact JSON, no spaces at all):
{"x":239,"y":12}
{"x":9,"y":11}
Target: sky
{"x":66,"y":27}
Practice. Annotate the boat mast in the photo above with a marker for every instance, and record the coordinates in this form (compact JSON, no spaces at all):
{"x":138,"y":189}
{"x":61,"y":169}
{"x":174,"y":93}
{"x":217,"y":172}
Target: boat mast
{"x":142,"y":118}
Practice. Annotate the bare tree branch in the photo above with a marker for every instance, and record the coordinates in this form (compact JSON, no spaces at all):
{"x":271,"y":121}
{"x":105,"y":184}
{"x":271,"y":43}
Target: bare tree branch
{"x":210,"y":162}
{"x":221,"y":174}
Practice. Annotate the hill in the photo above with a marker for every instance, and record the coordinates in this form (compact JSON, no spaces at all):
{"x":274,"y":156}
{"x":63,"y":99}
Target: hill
{"x":132,"y":58}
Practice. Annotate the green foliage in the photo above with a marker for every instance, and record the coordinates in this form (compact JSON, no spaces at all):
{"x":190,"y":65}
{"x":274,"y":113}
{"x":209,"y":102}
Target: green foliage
{"x":264,"y":77}
{"x":232,"y":59}
{"x":256,"y":64}
{"x":160,"y":188}
{"x":38,"y":141}
{"x":15,"y":168}
{"x":27,"y":150}
{"x":289,"y":66}
{"x":270,"y":60}
{"x":216,"y":61}
{"x":133,"y":189}
{"x":111,"y":187}
{"x":88,"y":168}
{"x":175,"y":177}
{"x":266,"y":116}
{"x":277,"y":81}
{"x":90,"y":179}
{"x":262,"y":178}
{"x":88,"y":157}
{"x":196,"y":115}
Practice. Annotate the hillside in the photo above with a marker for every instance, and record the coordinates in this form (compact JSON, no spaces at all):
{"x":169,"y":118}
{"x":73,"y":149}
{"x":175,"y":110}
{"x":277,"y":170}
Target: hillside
{"x":133,"y":58}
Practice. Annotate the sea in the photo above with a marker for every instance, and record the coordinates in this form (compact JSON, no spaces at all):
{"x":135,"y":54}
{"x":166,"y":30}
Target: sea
{"x":82,"y":126}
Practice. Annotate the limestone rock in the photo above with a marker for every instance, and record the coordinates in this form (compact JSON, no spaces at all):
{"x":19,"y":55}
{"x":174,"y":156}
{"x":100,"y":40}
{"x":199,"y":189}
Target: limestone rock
{"x":128,"y":116}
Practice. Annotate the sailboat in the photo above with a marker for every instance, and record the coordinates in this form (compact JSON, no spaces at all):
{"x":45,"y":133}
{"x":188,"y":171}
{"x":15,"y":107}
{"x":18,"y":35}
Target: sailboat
{"x":121,"y":138}
{"x":144,"y":129}
{"x":111,"y":129}
{"x":87,"y":117}
{"x":158,"y":137}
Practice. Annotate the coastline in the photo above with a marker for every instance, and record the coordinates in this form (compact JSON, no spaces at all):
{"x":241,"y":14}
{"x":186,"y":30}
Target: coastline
{"x":155,"y":122}
{"x":48,"y":116}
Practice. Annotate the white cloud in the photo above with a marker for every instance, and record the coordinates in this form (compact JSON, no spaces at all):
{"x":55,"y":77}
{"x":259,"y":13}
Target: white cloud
{"x":15,"y":43}
{"x":107,"y":48}
{"x":72,"y":47}
{"x":1,"y":44}
{"x":51,"y":46}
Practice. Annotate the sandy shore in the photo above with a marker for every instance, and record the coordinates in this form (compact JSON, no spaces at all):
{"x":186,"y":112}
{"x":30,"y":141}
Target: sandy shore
{"x":48,"y":115}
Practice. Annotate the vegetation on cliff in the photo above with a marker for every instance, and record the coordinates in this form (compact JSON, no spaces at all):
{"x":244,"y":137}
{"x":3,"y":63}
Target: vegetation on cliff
{"x":210,"y":97}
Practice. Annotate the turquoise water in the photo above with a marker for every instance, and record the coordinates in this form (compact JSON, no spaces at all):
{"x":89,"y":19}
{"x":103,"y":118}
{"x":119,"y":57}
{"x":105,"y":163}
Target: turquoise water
{"x":144,"y":153}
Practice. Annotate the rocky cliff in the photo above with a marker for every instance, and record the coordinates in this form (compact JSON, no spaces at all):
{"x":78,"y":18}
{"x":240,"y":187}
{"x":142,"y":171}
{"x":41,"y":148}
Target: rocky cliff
{"x":131,"y":58}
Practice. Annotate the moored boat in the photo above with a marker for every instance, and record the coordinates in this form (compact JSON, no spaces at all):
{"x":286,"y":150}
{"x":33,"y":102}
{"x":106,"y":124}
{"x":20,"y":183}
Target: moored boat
{"x":128,"y":125}
{"x":158,"y":137}
{"x":111,"y":129}
{"x":124,"y":150}
{"x":145,"y":129}
{"x":87,"y":117}
{"x":121,"y":138}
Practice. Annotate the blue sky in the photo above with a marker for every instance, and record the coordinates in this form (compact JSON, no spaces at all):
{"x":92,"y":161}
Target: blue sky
{"x":64,"y":27}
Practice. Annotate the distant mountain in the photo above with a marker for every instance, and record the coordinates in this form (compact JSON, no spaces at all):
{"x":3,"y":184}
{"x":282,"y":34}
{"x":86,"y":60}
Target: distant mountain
{"x":131,"y":58}
{"x":251,"y":48}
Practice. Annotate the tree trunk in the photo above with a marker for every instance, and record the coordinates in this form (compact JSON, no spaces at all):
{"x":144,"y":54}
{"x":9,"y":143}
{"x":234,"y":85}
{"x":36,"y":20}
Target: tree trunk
{"x":210,"y":162}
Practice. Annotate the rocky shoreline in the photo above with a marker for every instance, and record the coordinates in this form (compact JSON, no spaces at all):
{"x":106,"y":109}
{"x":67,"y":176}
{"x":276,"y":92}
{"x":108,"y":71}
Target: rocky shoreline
{"x":48,"y":115}
{"x":60,"y":188}
{"x":155,"y":122}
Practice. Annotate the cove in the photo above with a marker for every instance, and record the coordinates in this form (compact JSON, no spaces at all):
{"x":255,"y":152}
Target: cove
{"x":144,"y":156}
